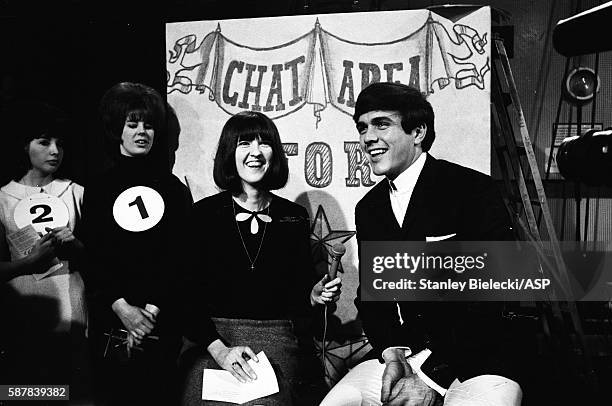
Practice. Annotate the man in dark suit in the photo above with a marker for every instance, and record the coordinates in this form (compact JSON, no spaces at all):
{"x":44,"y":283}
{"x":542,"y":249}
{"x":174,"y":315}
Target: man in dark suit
{"x":425,"y":199}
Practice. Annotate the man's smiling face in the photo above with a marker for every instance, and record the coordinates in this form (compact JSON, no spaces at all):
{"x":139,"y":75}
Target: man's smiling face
{"x":389,"y":149}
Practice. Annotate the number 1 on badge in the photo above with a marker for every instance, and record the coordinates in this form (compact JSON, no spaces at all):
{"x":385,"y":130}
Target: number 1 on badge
{"x":141,"y":207}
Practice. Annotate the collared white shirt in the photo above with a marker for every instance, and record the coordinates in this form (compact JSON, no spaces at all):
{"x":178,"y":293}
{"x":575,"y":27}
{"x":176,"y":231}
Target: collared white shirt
{"x":401,"y":188}
{"x":400,"y":192}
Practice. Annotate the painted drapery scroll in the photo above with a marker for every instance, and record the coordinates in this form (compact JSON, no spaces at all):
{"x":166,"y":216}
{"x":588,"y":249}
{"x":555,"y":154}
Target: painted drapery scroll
{"x":320,"y":68}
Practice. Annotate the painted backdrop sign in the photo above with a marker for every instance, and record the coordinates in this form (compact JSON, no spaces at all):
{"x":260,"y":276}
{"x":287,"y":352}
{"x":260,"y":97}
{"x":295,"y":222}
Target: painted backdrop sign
{"x":306,"y":72}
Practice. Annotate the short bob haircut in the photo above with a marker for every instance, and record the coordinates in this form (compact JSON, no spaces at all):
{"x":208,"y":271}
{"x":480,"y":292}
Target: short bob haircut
{"x":34,"y":120}
{"x":248,"y":125}
{"x":408,"y":101}
{"x":133,"y":101}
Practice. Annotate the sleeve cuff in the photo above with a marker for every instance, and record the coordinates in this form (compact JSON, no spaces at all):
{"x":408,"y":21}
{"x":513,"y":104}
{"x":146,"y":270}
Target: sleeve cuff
{"x":416,"y":361}
{"x":386,"y":352}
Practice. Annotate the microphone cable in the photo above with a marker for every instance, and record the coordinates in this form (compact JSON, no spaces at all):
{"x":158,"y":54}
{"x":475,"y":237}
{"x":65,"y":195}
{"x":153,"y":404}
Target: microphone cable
{"x":323,"y":345}
{"x":337,"y":251}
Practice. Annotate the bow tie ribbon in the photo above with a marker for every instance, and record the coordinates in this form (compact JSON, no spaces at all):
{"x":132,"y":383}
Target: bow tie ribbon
{"x":254,"y":216}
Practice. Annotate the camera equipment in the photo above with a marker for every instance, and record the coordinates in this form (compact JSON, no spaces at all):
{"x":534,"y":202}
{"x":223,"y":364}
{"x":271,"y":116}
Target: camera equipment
{"x":587,"y":158}
{"x":584,"y":33}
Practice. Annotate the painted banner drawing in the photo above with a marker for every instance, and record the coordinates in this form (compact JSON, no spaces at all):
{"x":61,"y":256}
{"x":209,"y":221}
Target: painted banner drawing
{"x":319,"y":67}
{"x":272,"y":80}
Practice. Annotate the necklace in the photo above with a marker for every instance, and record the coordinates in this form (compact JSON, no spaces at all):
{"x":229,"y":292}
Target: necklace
{"x":254,"y":229}
{"x":27,"y":182}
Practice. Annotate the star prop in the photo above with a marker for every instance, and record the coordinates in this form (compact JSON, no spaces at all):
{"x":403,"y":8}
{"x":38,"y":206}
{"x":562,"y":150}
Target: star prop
{"x":323,"y":237}
{"x":341,"y":357}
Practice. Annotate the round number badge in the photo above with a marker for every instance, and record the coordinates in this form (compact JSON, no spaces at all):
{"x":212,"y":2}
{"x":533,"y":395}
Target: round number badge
{"x":138,"y":208}
{"x":41,"y":210}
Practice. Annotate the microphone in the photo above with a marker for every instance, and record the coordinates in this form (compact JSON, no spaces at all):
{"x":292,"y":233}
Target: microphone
{"x":336,"y":253}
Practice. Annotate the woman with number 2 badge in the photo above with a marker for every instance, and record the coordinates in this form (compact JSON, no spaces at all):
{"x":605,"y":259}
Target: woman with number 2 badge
{"x":259,"y":277}
{"x":41,"y":291}
{"x":134,"y":215}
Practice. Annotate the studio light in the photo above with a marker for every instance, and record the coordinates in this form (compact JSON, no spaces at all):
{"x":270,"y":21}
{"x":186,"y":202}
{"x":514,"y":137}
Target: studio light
{"x":580,"y":85}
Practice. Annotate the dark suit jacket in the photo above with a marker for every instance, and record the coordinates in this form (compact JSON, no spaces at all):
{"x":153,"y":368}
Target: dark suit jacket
{"x":463,"y":337}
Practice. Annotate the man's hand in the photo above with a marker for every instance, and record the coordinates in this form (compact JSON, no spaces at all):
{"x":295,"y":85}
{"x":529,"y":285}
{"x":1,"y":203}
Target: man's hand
{"x":396,"y":368}
{"x":401,"y":386}
{"x":412,"y":391}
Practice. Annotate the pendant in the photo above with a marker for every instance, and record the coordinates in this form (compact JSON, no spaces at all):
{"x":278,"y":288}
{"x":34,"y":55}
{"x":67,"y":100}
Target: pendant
{"x":254,"y":226}
{"x":252,"y":267}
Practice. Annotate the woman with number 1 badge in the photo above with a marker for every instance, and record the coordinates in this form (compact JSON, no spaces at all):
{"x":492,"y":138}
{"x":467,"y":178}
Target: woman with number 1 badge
{"x":134,"y":215}
{"x":41,"y":291}
{"x":258,"y":278}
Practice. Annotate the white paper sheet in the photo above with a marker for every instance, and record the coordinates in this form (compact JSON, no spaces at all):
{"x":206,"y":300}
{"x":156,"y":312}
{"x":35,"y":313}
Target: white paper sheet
{"x":220,"y":385}
{"x":23,"y":240}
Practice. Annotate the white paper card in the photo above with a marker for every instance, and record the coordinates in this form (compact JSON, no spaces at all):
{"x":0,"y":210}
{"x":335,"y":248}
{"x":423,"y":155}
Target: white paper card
{"x":23,"y":240}
{"x":220,"y":385}
{"x":56,"y":265}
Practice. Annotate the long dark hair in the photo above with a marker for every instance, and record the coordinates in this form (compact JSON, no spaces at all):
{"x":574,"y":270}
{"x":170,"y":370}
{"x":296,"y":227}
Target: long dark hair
{"x":32,"y":120}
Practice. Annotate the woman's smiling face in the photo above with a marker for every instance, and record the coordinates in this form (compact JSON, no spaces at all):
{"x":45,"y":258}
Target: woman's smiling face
{"x":253,"y":160}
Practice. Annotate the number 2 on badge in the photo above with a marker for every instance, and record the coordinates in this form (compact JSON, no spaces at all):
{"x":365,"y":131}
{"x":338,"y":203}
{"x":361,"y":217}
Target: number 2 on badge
{"x":44,"y":216}
{"x":42,"y":211}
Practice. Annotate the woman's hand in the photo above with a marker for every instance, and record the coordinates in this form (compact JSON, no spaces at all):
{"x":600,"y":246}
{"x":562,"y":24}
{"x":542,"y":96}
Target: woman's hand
{"x":66,"y":242}
{"x":325,"y":291}
{"x":137,"y":321}
{"x":232,"y":360}
{"x":43,"y":253}
{"x":63,"y":235}
{"x":40,"y":258}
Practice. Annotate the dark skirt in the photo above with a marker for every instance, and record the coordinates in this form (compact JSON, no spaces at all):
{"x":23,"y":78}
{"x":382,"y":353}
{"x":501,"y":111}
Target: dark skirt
{"x":276,"y":338}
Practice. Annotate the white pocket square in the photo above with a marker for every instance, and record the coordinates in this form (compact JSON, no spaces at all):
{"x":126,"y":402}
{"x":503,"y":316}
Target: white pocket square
{"x":439,"y":238}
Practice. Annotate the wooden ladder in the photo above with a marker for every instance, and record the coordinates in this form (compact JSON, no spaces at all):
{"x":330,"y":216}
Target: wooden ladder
{"x":524,"y":194}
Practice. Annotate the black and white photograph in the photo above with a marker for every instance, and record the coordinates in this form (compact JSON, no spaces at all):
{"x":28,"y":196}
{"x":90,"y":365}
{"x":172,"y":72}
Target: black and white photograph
{"x":305,"y":203}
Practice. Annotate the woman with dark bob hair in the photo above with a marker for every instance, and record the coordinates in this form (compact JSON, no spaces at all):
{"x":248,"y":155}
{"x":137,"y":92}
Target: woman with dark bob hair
{"x":41,"y":290}
{"x":134,"y":214}
{"x":258,"y":278}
